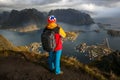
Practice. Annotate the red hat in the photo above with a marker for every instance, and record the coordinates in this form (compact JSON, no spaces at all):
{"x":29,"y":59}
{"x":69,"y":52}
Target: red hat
{"x":51,"y":19}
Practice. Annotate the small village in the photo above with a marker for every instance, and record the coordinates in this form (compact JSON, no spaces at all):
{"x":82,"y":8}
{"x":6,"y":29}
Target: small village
{"x":94,"y":51}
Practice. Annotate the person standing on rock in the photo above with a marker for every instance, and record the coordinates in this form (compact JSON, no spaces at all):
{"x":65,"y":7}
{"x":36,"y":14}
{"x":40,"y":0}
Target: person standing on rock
{"x":52,"y":28}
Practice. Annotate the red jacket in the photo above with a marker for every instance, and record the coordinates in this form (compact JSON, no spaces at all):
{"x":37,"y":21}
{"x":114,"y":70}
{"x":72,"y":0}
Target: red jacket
{"x":58,"y":41}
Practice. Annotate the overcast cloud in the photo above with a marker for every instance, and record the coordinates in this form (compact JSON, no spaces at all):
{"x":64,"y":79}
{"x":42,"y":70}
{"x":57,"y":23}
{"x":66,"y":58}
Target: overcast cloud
{"x":99,"y":7}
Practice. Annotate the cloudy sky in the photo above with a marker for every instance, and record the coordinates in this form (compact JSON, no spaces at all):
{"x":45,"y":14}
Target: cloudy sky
{"x":101,"y":8}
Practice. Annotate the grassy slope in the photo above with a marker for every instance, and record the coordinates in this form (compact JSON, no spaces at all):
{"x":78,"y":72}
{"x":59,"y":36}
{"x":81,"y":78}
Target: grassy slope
{"x":18,"y":64}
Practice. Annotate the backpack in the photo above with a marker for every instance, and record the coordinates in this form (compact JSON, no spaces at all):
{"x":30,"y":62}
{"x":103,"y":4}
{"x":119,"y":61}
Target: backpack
{"x":48,"y":39}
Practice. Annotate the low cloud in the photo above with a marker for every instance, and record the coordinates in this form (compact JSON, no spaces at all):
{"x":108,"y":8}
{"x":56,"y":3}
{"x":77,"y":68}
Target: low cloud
{"x":98,"y":7}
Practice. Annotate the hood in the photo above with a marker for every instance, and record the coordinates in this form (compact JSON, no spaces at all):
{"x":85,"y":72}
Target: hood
{"x":51,"y":25}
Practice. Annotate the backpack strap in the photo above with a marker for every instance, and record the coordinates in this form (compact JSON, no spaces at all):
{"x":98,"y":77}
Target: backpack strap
{"x":56,"y":29}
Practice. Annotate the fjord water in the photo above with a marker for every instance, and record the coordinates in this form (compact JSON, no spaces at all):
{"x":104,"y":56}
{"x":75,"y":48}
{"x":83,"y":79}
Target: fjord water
{"x":89,"y":36}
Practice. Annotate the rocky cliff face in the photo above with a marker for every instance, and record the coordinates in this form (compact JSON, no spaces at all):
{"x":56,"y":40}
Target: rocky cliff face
{"x":72,"y":16}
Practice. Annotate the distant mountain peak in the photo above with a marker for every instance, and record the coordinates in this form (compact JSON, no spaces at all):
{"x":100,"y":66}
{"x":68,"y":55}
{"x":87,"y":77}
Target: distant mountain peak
{"x":72,"y":16}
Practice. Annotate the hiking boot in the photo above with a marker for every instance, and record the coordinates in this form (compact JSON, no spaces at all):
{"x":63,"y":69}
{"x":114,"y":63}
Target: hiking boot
{"x":60,"y":73}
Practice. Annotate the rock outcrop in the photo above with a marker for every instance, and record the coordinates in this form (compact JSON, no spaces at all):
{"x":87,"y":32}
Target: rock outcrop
{"x":113,"y":32}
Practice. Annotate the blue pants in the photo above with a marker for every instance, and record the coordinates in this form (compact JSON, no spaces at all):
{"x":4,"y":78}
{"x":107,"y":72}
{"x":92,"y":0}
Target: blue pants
{"x":54,"y":61}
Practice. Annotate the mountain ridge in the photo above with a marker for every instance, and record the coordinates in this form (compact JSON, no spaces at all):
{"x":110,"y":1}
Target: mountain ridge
{"x":27,"y":17}
{"x":72,"y":16}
